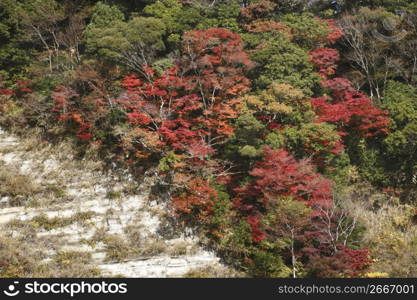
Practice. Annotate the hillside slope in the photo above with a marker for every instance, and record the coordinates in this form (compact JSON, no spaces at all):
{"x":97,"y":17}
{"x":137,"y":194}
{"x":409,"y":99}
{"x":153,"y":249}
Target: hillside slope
{"x":90,"y":222}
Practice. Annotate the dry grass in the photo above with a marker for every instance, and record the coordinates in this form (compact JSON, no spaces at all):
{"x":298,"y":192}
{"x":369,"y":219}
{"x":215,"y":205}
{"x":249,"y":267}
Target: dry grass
{"x":119,"y":249}
{"x":42,"y":221}
{"x":17,"y":187}
{"x":19,"y":258}
{"x":182,"y":248}
{"x":390,"y":231}
{"x":212,"y":271}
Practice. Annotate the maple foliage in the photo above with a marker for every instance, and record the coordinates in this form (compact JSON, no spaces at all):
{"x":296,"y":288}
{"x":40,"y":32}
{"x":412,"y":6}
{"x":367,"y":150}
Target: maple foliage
{"x":188,"y":110}
{"x":260,"y":155}
{"x":197,"y":196}
{"x":278,"y":174}
{"x":353,"y":112}
{"x":214,"y":64}
{"x":6,"y":92}
{"x":335,"y":31}
{"x":20,"y":89}
{"x":255,"y":227}
{"x":325,"y":59}
{"x":278,"y":181}
{"x":190,"y":105}
{"x":67,"y":110}
{"x":346,"y":262}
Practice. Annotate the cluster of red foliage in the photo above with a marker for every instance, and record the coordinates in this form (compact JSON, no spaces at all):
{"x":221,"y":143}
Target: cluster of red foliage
{"x":6,"y":92}
{"x":65,"y":107}
{"x":325,"y":59}
{"x":352,"y":111}
{"x":344,"y":263}
{"x":336,"y":32}
{"x":199,"y":195}
{"x":280,"y":175}
{"x":189,"y":107}
{"x":255,"y":226}
{"x":22,"y":87}
{"x":192,"y":110}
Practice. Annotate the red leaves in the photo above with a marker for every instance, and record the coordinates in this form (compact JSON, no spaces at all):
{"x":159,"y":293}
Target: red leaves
{"x":280,"y":175}
{"x":21,"y":89}
{"x":325,"y":59}
{"x":337,"y":85}
{"x":178,"y":133}
{"x":335,"y":33}
{"x":131,"y":83}
{"x":25,"y":90}
{"x":195,"y":108}
{"x":138,"y":118}
{"x":66,"y":110}
{"x":214,"y":62}
{"x":83,"y":133}
{"x":353,"y":112}
{"x":346,"y":262}
{"x":257,"y":234}
{"x":199,"y":196}
{"x":6,"y":92}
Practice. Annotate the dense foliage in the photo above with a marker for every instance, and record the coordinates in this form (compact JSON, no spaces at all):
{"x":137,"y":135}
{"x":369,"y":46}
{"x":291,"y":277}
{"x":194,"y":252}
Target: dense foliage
{"x":255,"y":118}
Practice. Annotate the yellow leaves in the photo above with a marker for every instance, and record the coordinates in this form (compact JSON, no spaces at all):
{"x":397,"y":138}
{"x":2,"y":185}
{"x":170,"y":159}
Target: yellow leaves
{"x":353,"y":174}
{"x":253,"y":101}
{"x":286,"y":92}
{"x":376,"y":275}
{"x":277,"y":99}
{"x":279,"y":108}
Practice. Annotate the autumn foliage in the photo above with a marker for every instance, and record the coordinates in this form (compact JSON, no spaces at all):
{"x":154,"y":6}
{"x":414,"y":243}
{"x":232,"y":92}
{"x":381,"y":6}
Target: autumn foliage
{"x":325,"y":59}
{"x":247,"y":124}
{"x":352,"y":111}
{"x":280,"y":175}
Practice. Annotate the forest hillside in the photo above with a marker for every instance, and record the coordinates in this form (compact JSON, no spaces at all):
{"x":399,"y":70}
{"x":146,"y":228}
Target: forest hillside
{"x":208,"y":138}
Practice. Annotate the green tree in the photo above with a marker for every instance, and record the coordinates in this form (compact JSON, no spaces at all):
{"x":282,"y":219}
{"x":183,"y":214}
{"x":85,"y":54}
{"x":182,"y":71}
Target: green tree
{"x":280,"y":60}
{"x":134,"y":43}
{"x":401,"y":144}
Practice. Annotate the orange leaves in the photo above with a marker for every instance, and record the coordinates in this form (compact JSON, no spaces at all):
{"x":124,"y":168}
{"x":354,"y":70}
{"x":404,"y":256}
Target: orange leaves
{"x":198,"y":196}
{"x":268,"y":25}
{"x":237,"y":89}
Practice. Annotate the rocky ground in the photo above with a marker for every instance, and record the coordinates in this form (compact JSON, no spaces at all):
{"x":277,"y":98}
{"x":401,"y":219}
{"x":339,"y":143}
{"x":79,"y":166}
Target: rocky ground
{"x":63,"y":216}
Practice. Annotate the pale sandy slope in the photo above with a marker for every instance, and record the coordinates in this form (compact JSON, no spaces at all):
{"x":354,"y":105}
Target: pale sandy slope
{"x":110,"y":214}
